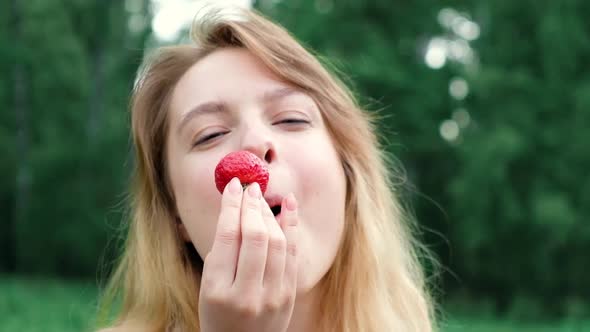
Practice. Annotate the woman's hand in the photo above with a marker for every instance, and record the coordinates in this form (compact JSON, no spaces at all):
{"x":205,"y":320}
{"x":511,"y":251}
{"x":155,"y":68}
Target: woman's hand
{"x":249,"y":278}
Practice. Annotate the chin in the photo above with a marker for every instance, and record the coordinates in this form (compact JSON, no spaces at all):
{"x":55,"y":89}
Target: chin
{"x":304,"y":286}
{"x":309,"y":281}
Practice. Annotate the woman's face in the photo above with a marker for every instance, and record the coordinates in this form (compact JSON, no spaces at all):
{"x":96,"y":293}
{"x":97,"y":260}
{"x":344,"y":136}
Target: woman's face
{"x":229,"y":101}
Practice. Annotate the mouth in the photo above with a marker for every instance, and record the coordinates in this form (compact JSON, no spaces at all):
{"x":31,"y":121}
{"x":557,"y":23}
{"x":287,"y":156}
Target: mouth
{"x":274,"y":202}
{"x":276,"y":210}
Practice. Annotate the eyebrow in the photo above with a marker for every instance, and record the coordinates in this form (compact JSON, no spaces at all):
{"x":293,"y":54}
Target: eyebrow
{"x":202,"y":109}
{"x":279,"y":93}
{"x":214,"y":107}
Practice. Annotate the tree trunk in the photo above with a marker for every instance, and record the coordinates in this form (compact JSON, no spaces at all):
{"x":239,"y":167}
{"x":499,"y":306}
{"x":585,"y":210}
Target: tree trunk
{"x":96,"y":100}
{"x":23,"y":173}
{"x":97,"y":51}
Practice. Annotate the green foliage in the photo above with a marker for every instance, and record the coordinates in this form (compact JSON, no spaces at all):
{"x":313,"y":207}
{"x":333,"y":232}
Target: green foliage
{"x":45,"y":305}
{"x":79,"y":62}
{"x":517,"y":196}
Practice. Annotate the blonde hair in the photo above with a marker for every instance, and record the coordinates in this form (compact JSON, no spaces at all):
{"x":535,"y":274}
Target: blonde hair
{"x":376,"y":282}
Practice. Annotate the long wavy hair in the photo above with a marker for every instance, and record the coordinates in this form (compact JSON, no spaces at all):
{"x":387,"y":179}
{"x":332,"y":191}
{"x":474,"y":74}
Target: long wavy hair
{"x":376,"y":282}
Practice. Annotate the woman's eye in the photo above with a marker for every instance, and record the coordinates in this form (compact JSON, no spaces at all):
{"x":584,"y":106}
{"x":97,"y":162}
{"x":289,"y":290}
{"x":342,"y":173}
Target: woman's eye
{"x":209,"y":137}
{"x":292,"y":121}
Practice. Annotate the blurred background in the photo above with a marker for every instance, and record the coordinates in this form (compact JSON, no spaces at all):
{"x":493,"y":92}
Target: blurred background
{"x":487,"y":106}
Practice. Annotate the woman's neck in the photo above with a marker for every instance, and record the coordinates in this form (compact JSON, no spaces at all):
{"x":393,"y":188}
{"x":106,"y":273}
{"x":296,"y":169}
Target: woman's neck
{"x":304,"y":317}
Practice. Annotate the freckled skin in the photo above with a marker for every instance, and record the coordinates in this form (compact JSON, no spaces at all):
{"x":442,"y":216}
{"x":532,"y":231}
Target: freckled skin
{"x":244,"y":165}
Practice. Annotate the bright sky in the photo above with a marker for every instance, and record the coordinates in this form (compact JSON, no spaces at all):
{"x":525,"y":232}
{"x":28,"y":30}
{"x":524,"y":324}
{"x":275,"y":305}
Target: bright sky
{"x":170,"y":16}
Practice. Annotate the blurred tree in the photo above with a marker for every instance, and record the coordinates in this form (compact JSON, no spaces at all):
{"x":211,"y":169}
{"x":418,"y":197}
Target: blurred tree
{"x":75,"y":62}
{"x":14,"y":131}
{"x":520,"y":193}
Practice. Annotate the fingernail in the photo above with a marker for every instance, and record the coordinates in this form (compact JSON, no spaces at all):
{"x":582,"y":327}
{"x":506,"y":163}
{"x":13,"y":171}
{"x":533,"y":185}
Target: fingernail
{"x":291,"y":202}
{"x":234,"y":186}
{"x":254,"y":190}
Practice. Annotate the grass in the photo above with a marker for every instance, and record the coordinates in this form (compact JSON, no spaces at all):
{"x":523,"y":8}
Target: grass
{"x":35,"y":305}
{"x":465,"y":324}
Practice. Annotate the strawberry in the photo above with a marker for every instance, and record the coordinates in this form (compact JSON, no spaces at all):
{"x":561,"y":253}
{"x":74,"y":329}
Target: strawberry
{"x":244,"y":165}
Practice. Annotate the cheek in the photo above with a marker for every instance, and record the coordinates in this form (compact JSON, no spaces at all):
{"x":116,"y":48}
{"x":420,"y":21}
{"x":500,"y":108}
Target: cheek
{"x":321,"y":173}
{"x":197,"y":201}
{"x":322,"y":189}
{"x":322,"y":185}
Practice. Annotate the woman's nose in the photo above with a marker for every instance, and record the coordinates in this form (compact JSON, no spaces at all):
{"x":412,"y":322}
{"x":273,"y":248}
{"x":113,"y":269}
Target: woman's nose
{"x":259,"y":142}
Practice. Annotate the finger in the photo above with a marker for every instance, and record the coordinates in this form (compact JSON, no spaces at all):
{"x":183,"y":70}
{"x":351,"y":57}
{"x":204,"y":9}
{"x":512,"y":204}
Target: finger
{"x":277,"y":252}
{"x":222,"y":260}
{"x":289,"y":224}
{"x":253,"y":250}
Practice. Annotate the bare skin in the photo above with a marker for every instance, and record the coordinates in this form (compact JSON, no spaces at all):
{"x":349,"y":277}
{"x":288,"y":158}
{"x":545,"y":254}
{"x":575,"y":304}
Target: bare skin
{"x":249,"y":278}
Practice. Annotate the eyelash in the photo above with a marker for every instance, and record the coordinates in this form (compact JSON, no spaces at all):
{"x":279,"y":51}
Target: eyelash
{"x":220,"y":133}
{"x":209,"y":137}
{"x":292,"y":121}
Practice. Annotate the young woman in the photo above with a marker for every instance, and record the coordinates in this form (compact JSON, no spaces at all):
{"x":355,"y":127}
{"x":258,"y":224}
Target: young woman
{"x":338,"y":257}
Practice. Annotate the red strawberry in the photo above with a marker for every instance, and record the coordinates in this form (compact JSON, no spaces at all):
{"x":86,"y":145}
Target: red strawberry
{"x":244,"y":165}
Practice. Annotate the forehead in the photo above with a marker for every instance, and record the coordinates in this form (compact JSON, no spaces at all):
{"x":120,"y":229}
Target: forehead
{"x":230,"y":74}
